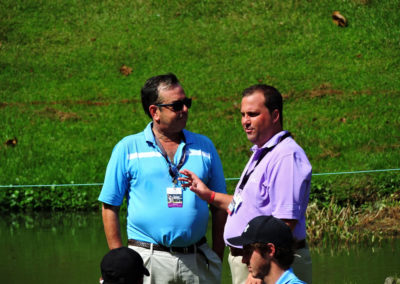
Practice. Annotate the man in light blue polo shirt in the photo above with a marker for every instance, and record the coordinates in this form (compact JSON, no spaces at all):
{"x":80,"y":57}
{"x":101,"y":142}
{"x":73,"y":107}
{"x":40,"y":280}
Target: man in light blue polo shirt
{"x":166,"y":223}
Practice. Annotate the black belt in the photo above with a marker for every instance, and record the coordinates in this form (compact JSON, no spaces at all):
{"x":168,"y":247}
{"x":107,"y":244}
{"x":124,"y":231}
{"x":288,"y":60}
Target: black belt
{"x":239,"y":252}
{"x":189,"y":249}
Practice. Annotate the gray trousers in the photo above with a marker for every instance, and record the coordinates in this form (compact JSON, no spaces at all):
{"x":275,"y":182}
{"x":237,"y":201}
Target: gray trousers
{"x":193,"y":268}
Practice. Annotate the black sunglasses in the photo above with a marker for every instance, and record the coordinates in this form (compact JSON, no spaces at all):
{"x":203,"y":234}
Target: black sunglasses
{"x":178,"y":105}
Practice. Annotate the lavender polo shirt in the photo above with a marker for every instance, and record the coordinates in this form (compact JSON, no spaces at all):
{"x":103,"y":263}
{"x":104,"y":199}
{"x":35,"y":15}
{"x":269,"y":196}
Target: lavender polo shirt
{"x":279,"y":186}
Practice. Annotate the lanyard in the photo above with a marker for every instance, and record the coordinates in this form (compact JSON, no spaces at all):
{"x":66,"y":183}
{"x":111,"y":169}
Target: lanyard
{"x":172,"y":168}
{"x":264,"y":152}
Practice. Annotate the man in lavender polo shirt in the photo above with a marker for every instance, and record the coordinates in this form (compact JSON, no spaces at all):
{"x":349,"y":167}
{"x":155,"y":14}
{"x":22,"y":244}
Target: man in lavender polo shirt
{"x":276,"y":181}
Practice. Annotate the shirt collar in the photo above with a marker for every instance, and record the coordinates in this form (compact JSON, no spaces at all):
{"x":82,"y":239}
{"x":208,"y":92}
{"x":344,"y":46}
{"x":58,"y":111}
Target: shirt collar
{"x":286,"y":276}
{"x":149,"y":135}
{"x":271,"y":142}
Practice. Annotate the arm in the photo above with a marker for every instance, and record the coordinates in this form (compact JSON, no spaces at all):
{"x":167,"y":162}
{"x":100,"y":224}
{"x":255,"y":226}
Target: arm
{"x":291,"y":179}
{"x":194,"y":183}
{"x":291,"y":223}
{"x":112,"y":230}
{"x":218,"y":223}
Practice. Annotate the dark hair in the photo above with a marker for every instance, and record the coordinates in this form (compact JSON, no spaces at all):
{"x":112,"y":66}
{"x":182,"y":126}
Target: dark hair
{"x":283,"y":255}
{"x":149,"y":91}
{"x":273,"y":99}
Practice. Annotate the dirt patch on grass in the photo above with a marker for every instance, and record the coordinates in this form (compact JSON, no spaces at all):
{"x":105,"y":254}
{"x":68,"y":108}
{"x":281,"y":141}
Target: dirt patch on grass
{"x":324,"y":90}
{"x":328,"y":153}
{"x":381,"y":148}
{"x":317,"y":92}
{"x":58,"y":114}
{"x":72,"y":103}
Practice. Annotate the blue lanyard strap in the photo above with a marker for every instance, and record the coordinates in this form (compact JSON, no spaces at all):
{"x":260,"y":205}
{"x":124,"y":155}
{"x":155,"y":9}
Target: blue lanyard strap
{"x":172,"y":168}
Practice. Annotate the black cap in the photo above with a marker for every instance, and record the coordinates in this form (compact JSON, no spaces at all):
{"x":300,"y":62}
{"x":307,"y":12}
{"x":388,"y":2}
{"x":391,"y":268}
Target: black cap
{"x":122,"y":265}
{"x":265,"y":229}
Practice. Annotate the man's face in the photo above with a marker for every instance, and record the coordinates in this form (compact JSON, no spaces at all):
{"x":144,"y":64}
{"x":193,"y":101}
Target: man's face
{"x":168,"y":118}
{"x":257,"y":121}
{"x":258,"y":265}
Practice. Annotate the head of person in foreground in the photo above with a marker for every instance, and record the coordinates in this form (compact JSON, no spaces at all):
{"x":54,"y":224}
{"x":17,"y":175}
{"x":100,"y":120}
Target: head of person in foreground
{"x":123,"y":266}
{"x":268,"y":248}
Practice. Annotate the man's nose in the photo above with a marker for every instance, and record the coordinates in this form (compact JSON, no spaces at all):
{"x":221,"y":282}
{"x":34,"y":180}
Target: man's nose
{"x":185,"y":108}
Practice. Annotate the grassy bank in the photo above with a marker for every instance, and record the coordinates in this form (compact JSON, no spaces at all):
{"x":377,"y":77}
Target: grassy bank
{"x":338,"y":226}
{"x":66,"y":100}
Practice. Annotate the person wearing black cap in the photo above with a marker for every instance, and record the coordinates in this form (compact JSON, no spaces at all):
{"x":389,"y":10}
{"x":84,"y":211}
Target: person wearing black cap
{"x":123,"y":266}
{"x":268,"y":250}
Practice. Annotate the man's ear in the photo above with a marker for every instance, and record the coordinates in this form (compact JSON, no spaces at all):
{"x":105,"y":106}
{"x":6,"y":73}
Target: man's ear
{"x":275,"y":116}
{"x":271,"y":249}
{"x":153,"y":112}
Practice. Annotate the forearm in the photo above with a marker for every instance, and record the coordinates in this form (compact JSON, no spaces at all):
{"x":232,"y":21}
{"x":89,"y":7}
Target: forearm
{"x":221,"y":200}
{"x":191,"y":181}
{"x":218,"y":223}
{"x":111,"y":224}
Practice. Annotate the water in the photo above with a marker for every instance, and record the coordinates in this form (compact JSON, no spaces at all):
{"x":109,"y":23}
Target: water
{"x":358,"y":264}
{"x":67,"y":248}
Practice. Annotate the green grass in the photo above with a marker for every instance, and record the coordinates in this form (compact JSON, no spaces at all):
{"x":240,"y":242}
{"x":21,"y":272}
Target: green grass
{"x":63,"y":97}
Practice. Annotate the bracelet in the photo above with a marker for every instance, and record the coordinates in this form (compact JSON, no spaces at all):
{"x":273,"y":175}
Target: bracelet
{"x":212,"y":197}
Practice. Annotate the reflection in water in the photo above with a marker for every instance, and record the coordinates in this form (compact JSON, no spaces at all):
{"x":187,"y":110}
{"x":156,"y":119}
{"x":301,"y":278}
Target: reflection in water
{"x":51,"y":247}
{"x":357,"y":263}
{"x":67,"y":248}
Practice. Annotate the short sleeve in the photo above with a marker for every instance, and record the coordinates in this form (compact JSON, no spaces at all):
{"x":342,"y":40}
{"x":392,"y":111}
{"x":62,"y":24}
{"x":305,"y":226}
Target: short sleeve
{"x":116,"y":181}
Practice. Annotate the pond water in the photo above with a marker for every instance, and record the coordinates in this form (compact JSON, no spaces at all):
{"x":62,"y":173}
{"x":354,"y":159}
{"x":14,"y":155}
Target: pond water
{"x":67,"y":248}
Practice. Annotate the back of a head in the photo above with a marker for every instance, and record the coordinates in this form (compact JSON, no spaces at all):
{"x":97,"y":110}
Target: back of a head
{"x":123,"y":266}
{"x":284,"y":256}
{"x":149,"y":92}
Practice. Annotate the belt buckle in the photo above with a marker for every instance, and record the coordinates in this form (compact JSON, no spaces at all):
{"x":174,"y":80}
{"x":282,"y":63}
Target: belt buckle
{"x":183,"y":250}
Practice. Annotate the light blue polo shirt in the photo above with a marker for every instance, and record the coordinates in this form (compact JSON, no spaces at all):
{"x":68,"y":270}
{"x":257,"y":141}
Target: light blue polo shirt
{"x":138,"y":171}
{"x":288,"y":277}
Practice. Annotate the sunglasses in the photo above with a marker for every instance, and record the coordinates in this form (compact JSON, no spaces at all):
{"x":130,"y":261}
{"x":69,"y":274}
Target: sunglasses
{"x":178,"y":105}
